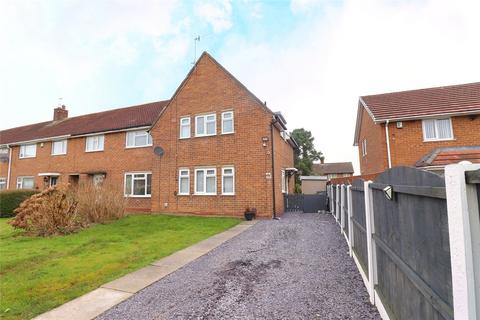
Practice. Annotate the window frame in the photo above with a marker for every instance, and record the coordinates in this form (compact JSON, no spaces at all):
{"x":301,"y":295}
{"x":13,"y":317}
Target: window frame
{"x":205,"y":134}
{"x":180,"y":177}
{"x":283,"y":182}
{"x":21,"y":178}
{"x":205,"y":193}
{"x":95,"y":136}
{"x":435,"y":121}
{"x":232,"y":119}
{"x":364,"y":147}
{"x":149,"y":137}
{"x":64,"y":141}
{"x":23,"y":146}
{"x":233,"y":180}
{"x":184,"y":125}
{"x":3,"y":182}
{"x":145,"y":195}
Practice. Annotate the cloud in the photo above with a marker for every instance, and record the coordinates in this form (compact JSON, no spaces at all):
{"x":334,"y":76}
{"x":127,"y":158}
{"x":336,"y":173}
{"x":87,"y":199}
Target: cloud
{"x":217,"y":13}
{"x":315,"y":74}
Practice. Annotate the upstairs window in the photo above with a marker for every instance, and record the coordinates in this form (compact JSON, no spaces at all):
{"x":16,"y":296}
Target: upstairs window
{"x":138,"y":184}
{"x":437,"y":129}
{"x":227,"y":122}
{"x":206,"y":125}
{"x":206,"y":181}
{"x":184,"y":127}
{"x":94,"y":143}
{"x":28,"y":151}
{"x":136,"y":139}
{"x":59,"y":147}
{"x":364,"y":147}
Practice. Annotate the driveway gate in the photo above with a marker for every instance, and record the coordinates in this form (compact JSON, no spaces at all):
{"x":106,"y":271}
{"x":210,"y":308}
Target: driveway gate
{"x":306,"y":202}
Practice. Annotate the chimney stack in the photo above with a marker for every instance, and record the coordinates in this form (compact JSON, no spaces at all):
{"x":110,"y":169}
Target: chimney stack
{"x":60,"y":113}
{"x":322,"y":160}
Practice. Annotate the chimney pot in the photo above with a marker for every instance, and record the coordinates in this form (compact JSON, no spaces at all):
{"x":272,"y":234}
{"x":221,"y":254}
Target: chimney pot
{"x":60,"y":113}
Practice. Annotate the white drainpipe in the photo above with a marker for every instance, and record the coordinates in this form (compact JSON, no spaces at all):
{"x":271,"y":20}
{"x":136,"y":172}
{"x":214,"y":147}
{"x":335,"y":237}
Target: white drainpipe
{"x":388,"y":144}
{"x":9,"y":166}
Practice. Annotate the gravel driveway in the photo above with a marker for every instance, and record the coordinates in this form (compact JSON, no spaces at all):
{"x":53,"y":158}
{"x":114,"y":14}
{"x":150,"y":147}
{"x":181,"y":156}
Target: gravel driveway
{"x":295,"y":268}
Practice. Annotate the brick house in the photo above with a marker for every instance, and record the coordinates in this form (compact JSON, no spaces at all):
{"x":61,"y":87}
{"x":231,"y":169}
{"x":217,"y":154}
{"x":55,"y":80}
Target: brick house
{"x":426,"y":128}
{"x":213,"y":148}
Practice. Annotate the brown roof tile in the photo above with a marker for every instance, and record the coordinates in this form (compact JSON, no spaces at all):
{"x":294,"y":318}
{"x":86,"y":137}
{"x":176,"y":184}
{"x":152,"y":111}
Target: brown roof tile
{"x":322,"y":169}
{"x":449,"y":155}
{"x":463,"y":98}
{"x":117,"y":119}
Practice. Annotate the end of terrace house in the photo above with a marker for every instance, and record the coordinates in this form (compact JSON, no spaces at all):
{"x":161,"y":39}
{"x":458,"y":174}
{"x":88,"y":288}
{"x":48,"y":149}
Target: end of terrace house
{"x":213,"y":148}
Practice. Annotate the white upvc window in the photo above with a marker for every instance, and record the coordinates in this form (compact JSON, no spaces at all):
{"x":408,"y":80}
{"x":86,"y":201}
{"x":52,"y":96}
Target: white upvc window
{"x":28,"y":151}
{"x":94,"y":143}
{"x":185,"y":130}
{"x":437,"y":129}
{"x":284,"y":185}
{"x":137,"y":139}
{"x":206,"y":181}
{"x":184,"y":182}
{"x":59,"y":147}
{"x":228,"y":181}
{"x":227,"y":122}
{"x":3,"y":183}
{"x":206,"y":125}
{"x":25,"y":182}
{"x":364,"y":147}
{"x":138,"y":184}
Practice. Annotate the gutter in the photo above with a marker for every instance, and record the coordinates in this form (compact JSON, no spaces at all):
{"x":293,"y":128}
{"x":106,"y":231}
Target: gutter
{"x":9,"y":166}
{"x":388,"y":144}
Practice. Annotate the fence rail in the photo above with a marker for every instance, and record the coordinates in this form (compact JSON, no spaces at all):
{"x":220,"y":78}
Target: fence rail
{"x":418,"y":248}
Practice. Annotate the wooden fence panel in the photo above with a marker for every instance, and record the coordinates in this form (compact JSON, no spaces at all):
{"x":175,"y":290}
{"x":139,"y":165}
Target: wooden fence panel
{"x":359,"y":224}
{"x":412,"y":244}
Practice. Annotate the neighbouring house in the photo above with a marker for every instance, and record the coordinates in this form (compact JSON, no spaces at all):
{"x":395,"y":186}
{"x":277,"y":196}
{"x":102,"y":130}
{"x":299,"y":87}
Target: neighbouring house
{"x":213,"y":148}
{"x":425,"y":128}
{"x":322,"y":173}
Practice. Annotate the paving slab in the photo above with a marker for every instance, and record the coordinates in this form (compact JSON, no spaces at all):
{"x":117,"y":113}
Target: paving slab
{"x":87,"y":306}
{"x":137,"y":280}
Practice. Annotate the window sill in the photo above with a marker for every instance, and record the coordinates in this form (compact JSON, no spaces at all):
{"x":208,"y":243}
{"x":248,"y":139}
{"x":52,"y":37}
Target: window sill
{"x":183,"y":138}
{"x":132,"y":196}
{"x":90,"y":151}
{"x":183,"y":194}
{"x":136,"y":147}
{"x":205,"y":135}
{"x":439,"y":140}
{"x":228,"y":194}
{"x":227,"y":133}
{"x":27,"y":157}
{"x":204,"y":194}
{"x":58,"y":154}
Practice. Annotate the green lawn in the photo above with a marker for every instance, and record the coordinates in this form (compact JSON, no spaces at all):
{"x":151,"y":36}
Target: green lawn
{"x":38,"y":274}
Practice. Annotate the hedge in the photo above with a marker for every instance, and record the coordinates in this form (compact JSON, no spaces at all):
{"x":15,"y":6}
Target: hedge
{"x":11,"y":199}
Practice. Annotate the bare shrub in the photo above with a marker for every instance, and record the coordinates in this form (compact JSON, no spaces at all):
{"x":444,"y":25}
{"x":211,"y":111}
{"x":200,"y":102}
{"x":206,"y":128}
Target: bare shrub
{"x":100,"y":203}
{"x":52,"y":211}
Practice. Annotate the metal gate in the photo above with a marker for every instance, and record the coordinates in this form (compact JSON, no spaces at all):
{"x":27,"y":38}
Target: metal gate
{"x":306,"y":202}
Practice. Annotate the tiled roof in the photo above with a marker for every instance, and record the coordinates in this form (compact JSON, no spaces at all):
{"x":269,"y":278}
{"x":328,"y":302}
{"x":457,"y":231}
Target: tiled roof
{"x":463,"y":98}
{"x":322,"y":169}
{"x":449,"y":155}
{"x":117,"y":119}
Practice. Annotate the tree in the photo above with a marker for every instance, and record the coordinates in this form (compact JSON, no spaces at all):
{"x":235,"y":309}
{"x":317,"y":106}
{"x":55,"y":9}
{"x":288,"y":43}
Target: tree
{"x":306,"y":153}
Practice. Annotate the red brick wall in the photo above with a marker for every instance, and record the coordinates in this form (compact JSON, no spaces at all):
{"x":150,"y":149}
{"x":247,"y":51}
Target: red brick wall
{"x":407,"y":145}
{"x":115,"y":160}
{"x":376,"y":158}
{"x":210,"y":89}
{"x":283,"y":159}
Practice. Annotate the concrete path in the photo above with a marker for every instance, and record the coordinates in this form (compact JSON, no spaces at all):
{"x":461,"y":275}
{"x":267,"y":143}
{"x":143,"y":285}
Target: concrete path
{"x":107,"y":296}
{"x":295,"y":268}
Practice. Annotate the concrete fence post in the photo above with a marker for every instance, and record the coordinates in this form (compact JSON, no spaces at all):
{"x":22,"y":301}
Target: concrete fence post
{"x":464,"y":237}
{"x":349,"y":219}
{"x":371,"y":250}
{"x":337,"y":207}
{"x":342,"y":208}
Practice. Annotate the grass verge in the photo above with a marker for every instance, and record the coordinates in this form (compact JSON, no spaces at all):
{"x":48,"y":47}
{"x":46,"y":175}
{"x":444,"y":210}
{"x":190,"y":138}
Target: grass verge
{"x":38,"y":274}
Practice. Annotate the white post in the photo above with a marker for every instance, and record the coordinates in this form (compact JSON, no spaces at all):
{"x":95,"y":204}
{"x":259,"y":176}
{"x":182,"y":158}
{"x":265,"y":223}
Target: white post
{"x":349,"y":219}
{"x":342,"y":208}
{"x":337,"y":207}
{"x":372,"y":263}
{"x":464,"y":236}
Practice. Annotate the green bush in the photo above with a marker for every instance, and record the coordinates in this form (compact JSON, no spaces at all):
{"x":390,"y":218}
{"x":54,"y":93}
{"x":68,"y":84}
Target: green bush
{"x":11,"y":199}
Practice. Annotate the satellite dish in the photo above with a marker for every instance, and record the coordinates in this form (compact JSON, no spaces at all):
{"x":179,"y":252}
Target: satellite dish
{"x":158,"y":151}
